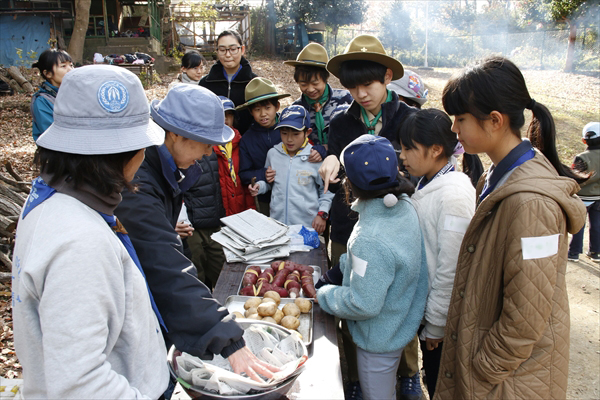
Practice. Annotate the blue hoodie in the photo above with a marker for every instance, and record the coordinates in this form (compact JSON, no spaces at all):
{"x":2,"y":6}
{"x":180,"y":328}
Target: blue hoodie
{"x":384,"y":289}
{"x":297,"y":192}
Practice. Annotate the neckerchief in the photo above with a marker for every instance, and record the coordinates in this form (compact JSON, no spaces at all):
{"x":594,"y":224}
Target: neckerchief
{"x":300,"y":149}
{"x":517,"y":156}
{"x":40,"y":192}
{"x":371,"y":125}
{"x":180,"y":180}
{"x":227,"y":151}
{"x":445,"y":169}
{"x":232,"y":77}
{"x":319,"y":120}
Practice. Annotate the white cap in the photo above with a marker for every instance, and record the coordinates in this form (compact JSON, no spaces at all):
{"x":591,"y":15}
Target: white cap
{"x":591,"y":131}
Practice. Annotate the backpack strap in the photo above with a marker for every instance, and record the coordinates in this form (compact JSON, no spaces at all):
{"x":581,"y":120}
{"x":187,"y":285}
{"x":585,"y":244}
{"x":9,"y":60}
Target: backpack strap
{"x":45,"y":95}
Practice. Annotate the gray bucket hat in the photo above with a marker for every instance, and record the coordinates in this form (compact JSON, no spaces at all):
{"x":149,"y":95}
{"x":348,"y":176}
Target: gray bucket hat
{"x":101,"y":109}
{"x":193,"y":112}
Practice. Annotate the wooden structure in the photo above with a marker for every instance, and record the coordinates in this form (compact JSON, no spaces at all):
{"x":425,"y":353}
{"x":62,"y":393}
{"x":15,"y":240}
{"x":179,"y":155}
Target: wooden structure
{"x":200,"y":31}
{"x":322,"y":378}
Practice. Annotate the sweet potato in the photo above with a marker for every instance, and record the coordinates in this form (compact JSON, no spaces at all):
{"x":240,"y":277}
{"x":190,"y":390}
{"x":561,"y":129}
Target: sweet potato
{"x":249,"y":291}
{"x":280,"y":277}
{"x":304,"y":268}
{"x":266,"y":276}
{"x":251,"y":276}
{"x":308,"y":285}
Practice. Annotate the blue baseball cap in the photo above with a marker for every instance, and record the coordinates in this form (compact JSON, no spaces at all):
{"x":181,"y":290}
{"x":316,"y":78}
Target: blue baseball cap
{"x":227,"y":104}
{"x":371,"y":163}
{"x":295,"y":117}
{"x":193,"y":112}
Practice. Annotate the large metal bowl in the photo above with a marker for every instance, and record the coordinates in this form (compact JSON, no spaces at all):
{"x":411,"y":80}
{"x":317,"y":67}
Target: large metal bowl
{"x":273,"y":394}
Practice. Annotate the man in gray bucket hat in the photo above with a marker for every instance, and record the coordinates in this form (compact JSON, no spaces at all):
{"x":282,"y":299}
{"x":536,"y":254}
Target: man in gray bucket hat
{"x":194,"y":121}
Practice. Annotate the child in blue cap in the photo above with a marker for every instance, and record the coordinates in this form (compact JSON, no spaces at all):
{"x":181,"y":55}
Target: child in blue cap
{"x":297,"y":189}
{"x":384,"y":286}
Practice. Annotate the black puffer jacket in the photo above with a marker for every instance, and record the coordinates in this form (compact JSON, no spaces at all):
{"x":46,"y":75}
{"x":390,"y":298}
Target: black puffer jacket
{"x":343,"y":129}
{"x":217,"y":83}
{"x":197,"y":324}
{"x":203,"y":200}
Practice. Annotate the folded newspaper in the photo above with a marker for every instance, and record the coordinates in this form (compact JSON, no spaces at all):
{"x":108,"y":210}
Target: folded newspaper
{"x":216,"y":376}
{"x":252,"y":237}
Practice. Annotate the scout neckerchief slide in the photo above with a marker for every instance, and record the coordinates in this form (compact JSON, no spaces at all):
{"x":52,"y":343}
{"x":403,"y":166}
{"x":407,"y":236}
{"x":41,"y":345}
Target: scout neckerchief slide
{"x":371,"y":124}
{"x":318,"y":107}
{"x":40,"y":192}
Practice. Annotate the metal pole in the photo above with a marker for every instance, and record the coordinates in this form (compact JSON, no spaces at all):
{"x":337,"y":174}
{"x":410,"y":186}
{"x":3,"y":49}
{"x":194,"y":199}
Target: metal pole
{"x":426,"y":31}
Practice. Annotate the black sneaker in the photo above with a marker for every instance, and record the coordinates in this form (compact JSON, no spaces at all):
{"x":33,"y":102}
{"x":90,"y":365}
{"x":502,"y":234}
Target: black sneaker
{"x":573,"y":257}
{"x":594,"y":256}
{"x":352,"y":391}
{"x":410,"y":388}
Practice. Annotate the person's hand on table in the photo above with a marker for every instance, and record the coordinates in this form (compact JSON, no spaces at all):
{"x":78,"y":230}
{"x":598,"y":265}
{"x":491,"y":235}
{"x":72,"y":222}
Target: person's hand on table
{"x":184,"y":229}
{"x":329,"y":171}
{"x":244,"y":361}
{"x":314,"y":156}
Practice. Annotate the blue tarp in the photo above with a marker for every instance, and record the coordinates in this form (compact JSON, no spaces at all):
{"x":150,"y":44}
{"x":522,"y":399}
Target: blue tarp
{"x":27,"y":32}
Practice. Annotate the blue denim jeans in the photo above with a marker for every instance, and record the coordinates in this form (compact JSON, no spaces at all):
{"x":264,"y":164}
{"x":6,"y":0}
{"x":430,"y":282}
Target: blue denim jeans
{"x":576,"y":245}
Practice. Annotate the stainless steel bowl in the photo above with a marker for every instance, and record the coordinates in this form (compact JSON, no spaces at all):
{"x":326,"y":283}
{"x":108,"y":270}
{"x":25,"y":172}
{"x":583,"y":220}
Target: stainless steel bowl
{"x":273,"y":394}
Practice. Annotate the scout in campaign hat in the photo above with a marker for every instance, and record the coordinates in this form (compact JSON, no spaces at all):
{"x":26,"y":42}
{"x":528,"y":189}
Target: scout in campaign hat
{"x":367,"y":48}
{"x":313,"y":55}
{"x":260,"y":89}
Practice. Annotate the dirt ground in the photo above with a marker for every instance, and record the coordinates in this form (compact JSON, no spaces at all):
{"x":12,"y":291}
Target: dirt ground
{"x":573,"y":99}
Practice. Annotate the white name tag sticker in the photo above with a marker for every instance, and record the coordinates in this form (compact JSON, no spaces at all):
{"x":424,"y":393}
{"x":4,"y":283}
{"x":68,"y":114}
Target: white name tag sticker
{"x":359,"y":266}
{"x":456,"y":224}
{"x":539,"y":247}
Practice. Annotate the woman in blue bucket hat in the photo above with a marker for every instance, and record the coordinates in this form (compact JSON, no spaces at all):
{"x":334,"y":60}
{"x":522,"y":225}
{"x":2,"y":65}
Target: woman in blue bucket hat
{"x":193,"y":121}
{"x":85,"y":323}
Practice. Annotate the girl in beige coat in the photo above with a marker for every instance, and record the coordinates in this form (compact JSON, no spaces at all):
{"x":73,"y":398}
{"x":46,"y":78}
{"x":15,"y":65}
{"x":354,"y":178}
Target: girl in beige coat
{"x":507,"y":333}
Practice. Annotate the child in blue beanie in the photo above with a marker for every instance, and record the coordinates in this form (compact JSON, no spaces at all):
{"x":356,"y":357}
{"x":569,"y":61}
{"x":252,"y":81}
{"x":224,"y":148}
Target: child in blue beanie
{"x":384,"y":287}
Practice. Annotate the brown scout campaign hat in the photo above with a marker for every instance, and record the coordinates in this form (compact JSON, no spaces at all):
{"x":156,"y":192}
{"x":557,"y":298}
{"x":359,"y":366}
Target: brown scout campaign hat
{"x":368,"y":48}
{"x":260,"y":89}
{"x":313,"y":55}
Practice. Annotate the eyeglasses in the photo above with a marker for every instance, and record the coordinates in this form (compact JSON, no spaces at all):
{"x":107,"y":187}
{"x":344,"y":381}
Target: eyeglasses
{"x":233,"y":50}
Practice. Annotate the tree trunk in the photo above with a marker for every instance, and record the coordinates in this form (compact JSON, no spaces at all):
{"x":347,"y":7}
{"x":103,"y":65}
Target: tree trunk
{"x":24,"y":83}
{"x":82,"y":20}
{"x":334,"y":30}
{"x":571,"y":45}
{"x":270,"y":28}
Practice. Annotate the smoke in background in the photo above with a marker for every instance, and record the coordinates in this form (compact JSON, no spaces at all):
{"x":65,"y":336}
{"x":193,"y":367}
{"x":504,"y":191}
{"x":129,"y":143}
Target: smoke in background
{"x":459,"y":32}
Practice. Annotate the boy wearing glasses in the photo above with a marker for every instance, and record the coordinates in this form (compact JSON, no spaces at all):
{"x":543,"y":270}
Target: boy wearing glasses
{"x":231,"y":73}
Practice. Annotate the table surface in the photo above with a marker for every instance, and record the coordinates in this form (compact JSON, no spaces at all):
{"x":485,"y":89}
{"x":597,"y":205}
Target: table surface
{"x":322,"y":378}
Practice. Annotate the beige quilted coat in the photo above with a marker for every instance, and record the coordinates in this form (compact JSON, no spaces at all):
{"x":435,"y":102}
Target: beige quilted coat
{"x":507,"y":334}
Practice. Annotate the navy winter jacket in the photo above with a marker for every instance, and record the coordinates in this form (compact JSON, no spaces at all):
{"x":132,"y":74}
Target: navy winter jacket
{"x":197,"y":324}
{"x":217,"y":82}
{"x":343,"y":129}
{"x":254,"y":146}
{"x":203,"y":200}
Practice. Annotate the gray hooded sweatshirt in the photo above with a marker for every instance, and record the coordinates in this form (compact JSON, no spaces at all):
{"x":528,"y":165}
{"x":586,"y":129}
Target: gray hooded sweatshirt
{"x":297,"y":192}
